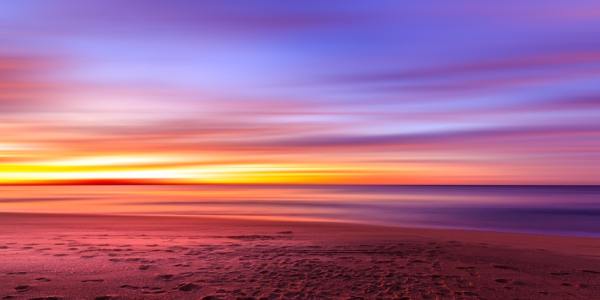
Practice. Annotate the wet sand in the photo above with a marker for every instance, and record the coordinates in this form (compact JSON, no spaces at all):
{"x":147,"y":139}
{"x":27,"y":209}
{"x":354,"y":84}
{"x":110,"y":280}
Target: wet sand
{"x":108,"y":257}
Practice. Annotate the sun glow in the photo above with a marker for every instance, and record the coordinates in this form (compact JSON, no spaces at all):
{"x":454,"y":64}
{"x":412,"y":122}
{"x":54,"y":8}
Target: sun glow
{"x":115,"y":160}
{"x":176,"y":170}
{"x":162,"y":168}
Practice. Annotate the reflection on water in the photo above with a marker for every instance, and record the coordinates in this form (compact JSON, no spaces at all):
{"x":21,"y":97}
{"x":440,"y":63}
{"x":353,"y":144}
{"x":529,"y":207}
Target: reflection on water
{"x":573,"y":210}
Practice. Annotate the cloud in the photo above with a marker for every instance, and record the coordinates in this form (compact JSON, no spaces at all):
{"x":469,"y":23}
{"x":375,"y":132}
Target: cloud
{"x":257,"y":202}
{"x":472,"y":74}
{"x":438,"y":139}
{"x":114,"y":17}
{"x":23,"y":86}
{"x":43,"y":199}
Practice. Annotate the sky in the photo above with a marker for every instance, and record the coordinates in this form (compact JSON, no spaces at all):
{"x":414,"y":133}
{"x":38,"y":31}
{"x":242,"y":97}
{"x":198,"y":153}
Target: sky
{"x":305,"y":92}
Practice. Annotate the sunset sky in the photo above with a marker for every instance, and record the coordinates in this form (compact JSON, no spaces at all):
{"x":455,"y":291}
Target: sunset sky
{"x":327,"y":92}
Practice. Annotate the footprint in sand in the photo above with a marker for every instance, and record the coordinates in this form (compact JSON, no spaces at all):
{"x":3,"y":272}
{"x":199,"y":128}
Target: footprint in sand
{"x":519,"y":283}
{"x":188,"y":287}
{"x":154,"y":291}
{"x":133,"y":259}
{"x":503,"y":267}
{"x":42,"y":279}
{"x":22,"y":288}
{"x":165,"y":277}
{"x":182,"y":265}
{"x":129,"y":287}
{"x":16,"y":273}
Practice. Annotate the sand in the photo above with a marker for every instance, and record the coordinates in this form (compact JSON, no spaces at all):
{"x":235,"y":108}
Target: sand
{"x":109,"y":257}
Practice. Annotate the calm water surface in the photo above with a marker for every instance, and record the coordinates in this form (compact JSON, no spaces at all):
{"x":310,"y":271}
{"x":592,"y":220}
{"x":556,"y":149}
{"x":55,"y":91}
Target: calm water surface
{"x":569,"y":210}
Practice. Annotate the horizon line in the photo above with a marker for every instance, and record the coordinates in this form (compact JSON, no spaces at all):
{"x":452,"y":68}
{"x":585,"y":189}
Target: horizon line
{"x":162,"y":183}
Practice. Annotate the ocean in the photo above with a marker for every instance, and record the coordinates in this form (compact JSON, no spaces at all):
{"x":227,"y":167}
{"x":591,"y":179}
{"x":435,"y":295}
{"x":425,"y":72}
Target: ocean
{"x":563,"y":210}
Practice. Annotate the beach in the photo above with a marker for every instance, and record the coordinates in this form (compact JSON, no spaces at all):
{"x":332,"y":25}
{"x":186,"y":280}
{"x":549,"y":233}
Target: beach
{"x":76,"y":256}
{"x":217,"y":150}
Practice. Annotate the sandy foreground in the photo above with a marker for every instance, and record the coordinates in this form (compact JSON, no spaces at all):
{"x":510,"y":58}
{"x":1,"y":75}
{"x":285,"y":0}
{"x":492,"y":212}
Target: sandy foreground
{"x":109,"y":257}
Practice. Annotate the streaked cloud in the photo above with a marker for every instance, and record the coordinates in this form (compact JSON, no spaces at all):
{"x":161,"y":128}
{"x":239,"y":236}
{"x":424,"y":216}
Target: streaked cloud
{"x":348,"y":92}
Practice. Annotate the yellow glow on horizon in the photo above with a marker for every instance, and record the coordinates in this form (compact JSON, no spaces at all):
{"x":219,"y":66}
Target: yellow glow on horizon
{"x":112,"y":160}
{"x":112,"y":169}
{"x":215,"y":168}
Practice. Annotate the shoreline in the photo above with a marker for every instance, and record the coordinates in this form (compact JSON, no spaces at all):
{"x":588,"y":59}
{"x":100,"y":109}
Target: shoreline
{"x":512,"y":238}
{"x":124,"y":257}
